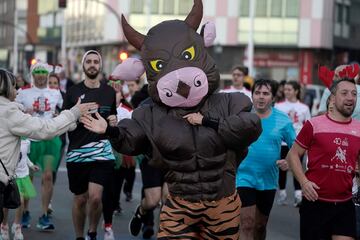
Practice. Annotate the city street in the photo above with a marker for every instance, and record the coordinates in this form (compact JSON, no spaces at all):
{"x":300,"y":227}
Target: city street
{"x":196,"y":84}
{"x":283,"y":223}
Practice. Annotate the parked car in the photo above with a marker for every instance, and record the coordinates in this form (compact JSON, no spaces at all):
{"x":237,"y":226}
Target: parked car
{"x":312,"y":97}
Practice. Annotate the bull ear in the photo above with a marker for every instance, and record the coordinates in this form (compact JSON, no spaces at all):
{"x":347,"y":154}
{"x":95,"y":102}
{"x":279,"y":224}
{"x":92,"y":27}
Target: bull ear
{"x":208,"y":32}
{"x":195,"y":16}
{"x":129,"y":70}
{"x":134,"y":37}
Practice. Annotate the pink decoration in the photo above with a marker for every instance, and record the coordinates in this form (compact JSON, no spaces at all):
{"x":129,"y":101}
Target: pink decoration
{"x":129,"y":70}
{"x":209,"y":34}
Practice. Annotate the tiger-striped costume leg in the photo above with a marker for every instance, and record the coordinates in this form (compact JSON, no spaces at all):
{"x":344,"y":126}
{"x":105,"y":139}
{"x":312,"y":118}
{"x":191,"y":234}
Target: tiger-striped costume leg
{"x":180,"y":219}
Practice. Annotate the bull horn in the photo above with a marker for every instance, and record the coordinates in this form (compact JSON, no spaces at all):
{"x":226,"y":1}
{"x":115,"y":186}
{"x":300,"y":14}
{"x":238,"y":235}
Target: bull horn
{"x":195,"y":15}
{"x":134,"y":37}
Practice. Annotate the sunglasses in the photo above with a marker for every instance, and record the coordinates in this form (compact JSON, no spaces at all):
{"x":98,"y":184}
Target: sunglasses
{"x":40,"y":72}
{"x":112,"y":82}
{"x":115,"y":84}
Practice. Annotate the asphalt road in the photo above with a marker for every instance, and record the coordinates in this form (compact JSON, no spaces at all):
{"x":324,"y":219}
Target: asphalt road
{"x":283,"y":222}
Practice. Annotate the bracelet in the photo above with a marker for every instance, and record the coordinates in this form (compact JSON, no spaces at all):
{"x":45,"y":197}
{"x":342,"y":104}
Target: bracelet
{"x":305,"y":183}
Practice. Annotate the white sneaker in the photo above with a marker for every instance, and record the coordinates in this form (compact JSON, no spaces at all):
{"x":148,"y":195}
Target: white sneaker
{"x":16,"y":231}
{"x":109,"y":234}
{"x":282,"y":198}
{"x":297,"y":198}
{"x":5,"y":232}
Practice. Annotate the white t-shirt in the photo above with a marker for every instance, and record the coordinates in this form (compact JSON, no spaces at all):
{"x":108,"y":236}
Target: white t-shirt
{"x":123,"y":112}
{"x":22,"y":168}
{"x":232,"y":90}
{"x":298,"y":112}
{"x":41,"y":102}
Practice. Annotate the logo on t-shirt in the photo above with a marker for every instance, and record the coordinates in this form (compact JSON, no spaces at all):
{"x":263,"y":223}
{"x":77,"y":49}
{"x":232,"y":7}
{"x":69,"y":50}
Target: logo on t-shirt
{"x":340,"y":154}
{"x":293,"y":116}
{"x":41,"y":105}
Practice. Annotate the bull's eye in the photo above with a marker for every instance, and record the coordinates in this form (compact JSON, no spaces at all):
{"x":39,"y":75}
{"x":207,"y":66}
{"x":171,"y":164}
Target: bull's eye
{"x":157,"y":65}
{"x":188,"y":54}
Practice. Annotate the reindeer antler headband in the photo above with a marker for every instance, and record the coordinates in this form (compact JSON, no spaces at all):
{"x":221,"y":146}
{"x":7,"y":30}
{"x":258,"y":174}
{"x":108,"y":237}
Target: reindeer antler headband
{"x":327,"y":76}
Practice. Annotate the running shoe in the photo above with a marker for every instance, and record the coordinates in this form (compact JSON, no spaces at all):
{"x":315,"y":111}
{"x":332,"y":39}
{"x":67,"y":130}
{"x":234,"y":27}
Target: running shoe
{"x":45,"y":223}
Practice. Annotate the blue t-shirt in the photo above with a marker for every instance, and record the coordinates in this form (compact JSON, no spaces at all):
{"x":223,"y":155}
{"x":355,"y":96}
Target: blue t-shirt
{"x":259,"y":170}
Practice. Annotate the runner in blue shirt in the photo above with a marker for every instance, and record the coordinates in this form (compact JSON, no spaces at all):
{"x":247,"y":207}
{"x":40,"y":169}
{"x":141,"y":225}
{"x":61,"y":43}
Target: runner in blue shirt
{"x":257,"y":176}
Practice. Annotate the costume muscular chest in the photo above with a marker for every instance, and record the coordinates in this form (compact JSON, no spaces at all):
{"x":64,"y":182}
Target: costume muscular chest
{"x":177,"y":139}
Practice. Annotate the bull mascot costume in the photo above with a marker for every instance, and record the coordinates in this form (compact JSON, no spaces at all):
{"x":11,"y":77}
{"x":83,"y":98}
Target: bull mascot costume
{"x":200,"y":158}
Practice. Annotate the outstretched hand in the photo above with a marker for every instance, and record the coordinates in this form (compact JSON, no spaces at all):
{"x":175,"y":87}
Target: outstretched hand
{"x":96,"y":125}
{"x":85,"y":108}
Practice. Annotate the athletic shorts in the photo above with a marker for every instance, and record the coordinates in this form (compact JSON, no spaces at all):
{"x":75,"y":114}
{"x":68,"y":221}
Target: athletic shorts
{"x":321,"y":220}
{"x":151,"y":177}
{"x":46,"y":154}
{"x":81,"y":174}
{"x":263,"y":199}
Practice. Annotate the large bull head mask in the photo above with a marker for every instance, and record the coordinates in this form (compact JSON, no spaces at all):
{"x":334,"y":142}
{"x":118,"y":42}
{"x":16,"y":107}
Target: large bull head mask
{"x":179,"y":70}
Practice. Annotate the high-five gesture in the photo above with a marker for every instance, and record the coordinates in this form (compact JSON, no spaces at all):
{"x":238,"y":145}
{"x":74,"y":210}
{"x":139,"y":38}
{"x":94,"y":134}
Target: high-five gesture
{"x":96,"y":125}
{"x":86,"y":107}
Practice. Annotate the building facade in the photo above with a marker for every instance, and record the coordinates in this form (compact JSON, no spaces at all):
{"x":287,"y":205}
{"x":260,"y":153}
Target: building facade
{"x":22,"y":22}
{"x":292,"y":37}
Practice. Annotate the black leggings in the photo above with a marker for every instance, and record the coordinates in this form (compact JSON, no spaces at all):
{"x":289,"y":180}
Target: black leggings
{"x":108,"y":200}
{"x":111,"y":194}
{"x":283,"y":174}
{"x":123,"y":174}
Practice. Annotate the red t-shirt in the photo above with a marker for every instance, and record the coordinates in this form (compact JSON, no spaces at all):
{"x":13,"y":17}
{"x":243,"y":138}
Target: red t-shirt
{"x":333,"y":148}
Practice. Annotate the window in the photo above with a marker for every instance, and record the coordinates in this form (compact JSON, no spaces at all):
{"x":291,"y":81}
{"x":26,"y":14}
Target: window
{"x":346,"y":16}
{"x":244,"y":8}
{"x":276,"y":7}
{"x":292,"y":8}
{"x":154,"y":6}
{"x":137,"y":6}
{"x":185,"y":6}
{"x":21,"y":4}
{"x":168,"y":6}
{"x":260,"y":10}
{"x":338,"y":13}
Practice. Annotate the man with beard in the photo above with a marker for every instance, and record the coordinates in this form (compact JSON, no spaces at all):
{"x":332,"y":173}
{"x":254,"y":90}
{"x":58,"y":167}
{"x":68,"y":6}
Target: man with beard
{"x":333,"y":145}
{"x":90,"y":160}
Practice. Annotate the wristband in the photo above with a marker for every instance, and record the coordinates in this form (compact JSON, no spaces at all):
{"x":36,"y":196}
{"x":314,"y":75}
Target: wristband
{"x":307,"y":181}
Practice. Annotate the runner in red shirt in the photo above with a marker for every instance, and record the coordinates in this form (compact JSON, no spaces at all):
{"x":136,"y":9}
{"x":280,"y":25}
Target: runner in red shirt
{"x":333,"y":145}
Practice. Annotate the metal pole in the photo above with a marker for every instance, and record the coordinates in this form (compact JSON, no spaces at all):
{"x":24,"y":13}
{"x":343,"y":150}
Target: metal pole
{"x":251,"y":38}
{"x":63,"y":41}
{"x":15,"y":67}
{"x":148,"y":15}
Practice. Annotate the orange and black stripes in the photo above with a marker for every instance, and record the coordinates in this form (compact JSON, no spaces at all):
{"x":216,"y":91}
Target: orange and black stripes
{"x":180,"y":219}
